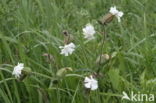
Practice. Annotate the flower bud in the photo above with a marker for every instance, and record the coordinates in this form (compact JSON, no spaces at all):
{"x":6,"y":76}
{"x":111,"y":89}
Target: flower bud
{"x":65,"y":33}
{"x":68,"y":39}
{"x":49,"y":58}
{"x":113,"y":54}
{"x":106,"y":19}
{"x":25,"y":72}
{"x":63,"y":71}
{"x":102,"y":59}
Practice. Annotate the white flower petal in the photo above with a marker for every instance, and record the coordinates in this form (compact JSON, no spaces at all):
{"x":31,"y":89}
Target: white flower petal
{"x":119,"y":20}
{"x":87,"y":79}
{"x":120,"y":13}
{"x":67,"y":49}
{"x":89,"y":32}
{"x":87,"y":85}
{"x":18,"y":70}
{"x":113,"y":10}
{"x":94,"y":87}
{"x":116,"y":12}
{"x":91,"y":83}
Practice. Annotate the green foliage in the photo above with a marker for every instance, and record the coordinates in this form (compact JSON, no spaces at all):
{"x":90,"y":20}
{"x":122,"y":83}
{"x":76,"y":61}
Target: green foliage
{"x":114,"y":78}
{"x":30,"y":28}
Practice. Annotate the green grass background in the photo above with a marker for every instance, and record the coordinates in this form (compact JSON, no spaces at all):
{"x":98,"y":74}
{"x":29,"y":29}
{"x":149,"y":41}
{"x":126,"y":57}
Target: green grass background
{"x":29,"y":28}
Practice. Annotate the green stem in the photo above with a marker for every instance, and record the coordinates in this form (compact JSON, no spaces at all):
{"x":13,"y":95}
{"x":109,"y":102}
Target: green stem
{"x":102,"y":46}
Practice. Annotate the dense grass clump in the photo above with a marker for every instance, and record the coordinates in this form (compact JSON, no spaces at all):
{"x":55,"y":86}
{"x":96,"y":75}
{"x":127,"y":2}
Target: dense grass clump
{"x":121,"y":57}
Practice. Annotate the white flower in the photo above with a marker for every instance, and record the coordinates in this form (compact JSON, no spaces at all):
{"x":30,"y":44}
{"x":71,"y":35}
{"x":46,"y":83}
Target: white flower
{"x":116,"y":12}
{"x":18,"y":70}
{"x":89,"y":32}
{"x":91,"y":83}
{"x":67,"y":49}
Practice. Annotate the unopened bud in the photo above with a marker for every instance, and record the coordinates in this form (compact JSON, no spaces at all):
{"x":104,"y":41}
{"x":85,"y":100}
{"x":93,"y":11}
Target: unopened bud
{"x":49,"y":57}
{"x":25,"y":72}
{"x":102,"y":59}
{"x":106,"y":19}
{"x":68,"y":39}
{"x":65,"y":33}
{"x":63,"y":71}
{"x":113,"y":54}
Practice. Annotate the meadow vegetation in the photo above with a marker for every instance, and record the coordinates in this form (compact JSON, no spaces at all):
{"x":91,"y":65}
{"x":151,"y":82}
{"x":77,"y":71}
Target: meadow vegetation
{"x":121,"y":57}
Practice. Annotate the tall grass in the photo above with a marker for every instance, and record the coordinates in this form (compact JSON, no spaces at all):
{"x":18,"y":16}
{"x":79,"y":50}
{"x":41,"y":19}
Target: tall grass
{"x":30,"y":28}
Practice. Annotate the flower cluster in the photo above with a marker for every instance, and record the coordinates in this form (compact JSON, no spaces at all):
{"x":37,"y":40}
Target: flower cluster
{"x":88,"y":32}
{"x":69,"y":47}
